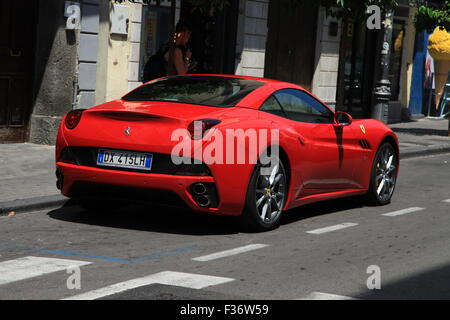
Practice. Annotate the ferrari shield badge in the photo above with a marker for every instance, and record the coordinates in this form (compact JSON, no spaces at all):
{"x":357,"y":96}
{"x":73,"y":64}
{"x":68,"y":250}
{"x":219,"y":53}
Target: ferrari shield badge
{"x":363,"y":129}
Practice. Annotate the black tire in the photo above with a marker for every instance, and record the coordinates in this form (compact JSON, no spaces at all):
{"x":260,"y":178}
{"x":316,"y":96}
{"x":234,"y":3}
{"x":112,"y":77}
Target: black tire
{"x":379,"y":172}
{"x":252,"y":217}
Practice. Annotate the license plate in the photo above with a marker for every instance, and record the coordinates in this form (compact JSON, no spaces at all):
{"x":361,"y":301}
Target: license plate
{"x":124,"y":159}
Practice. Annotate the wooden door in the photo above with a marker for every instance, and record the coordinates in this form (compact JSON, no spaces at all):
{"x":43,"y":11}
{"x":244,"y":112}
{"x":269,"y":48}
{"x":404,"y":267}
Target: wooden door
{"x":17,"y":39}
{"x":291,"y":42}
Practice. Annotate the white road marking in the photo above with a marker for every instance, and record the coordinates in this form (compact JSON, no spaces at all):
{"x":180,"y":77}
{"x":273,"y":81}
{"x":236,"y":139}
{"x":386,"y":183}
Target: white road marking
{"x":180,"y":279}
{"x":230,"y":252}
{"x":448,"y":200}
{"x":325,"y":296}
{"x":333,"y":228}
{"x":30,"y":267}
{"x":404,"y":211}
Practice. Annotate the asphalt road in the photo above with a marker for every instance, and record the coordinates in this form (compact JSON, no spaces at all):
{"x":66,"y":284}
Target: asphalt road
{"x":174,"y":254}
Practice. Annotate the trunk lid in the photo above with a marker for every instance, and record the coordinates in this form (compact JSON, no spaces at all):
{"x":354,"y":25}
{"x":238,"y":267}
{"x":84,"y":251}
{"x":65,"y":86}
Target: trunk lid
{"x":146,"y":126}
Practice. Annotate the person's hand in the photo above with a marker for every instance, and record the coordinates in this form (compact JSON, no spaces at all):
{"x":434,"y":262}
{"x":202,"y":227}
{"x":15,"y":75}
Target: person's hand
{"x":188,"y":54}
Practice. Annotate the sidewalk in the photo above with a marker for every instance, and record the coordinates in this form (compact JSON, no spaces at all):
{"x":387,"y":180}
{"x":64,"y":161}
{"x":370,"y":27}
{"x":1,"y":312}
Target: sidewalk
{"x":421,"y":137}
{"x":27,"y":171}
{"x":27,"y":178}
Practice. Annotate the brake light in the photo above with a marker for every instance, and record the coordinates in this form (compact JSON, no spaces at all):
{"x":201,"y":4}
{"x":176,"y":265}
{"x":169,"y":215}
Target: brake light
{"x":73,"y":118}
{"x":198,"y":128}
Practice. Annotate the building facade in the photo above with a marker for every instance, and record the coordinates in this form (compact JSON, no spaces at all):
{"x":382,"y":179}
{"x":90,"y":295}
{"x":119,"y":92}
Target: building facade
{"x":65,"y":55}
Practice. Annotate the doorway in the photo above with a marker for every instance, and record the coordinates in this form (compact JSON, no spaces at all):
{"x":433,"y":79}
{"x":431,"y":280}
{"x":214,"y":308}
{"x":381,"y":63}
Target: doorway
{"x":357,"y":72}
{"x":17,"y":43}
{"x":213,"y":40}
{"x":291,"y":42}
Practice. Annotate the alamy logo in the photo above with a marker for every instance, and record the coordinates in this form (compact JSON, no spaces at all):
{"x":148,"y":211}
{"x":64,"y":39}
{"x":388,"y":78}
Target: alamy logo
{"x":374,"y":280}
{"x":233,"y":146}
{"x":374,"y":20}
{"x":74,"y":281}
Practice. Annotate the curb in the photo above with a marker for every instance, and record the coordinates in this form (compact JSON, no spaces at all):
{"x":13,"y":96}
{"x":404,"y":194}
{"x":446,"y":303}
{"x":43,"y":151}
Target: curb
{"x":32,"y":204}
{"x":57,"y":200}
{"x":433,"y":150}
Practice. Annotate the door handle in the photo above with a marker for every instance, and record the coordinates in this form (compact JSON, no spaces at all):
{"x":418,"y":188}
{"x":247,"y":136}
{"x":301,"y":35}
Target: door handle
{"x":15,"y":53}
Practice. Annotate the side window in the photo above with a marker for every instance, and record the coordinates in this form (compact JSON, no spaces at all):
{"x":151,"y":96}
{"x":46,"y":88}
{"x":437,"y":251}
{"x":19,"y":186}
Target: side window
{"x":272,"y":106}
{"x":300,"y":106}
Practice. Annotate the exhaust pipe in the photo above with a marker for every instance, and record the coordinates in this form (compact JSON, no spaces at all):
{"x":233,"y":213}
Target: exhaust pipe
{"x":203,"y":201}
{"x":199,"y":189}
{"x":203,"y":194}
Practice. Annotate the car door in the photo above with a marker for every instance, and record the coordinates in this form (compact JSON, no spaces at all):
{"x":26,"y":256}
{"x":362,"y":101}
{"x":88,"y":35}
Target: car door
{"x":328,"y":165}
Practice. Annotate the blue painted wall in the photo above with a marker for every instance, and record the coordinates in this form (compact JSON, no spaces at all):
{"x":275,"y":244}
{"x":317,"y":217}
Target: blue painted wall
{"x":420,"y":54}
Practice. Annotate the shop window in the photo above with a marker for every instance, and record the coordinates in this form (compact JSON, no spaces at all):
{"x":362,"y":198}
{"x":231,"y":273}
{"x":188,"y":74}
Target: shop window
{"x":395,"y":64}
{"x":155,"y":31}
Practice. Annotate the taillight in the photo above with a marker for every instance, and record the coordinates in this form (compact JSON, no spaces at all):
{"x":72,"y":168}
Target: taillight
{"x":73,"y":118}
{"x":198,"y":128}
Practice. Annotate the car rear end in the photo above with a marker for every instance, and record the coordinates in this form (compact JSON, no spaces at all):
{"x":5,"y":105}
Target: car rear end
{"x":122,"y":150}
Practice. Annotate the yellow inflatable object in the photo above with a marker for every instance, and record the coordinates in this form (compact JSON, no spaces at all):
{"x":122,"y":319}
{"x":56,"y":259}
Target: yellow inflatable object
{"x":439,"y":44}
{"x":398,"y":44}
{"x":439,"y":48}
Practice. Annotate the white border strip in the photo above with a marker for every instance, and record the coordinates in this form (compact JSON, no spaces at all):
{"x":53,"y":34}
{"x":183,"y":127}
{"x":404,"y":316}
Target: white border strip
{"x":30,"y":267}
{"x":332,"y":228}
{"x":230,"y":252}
{"x":404,"y":211}
{"x":180,"y":279}
{"x":325,"y":296}
{"x":448,"y":200}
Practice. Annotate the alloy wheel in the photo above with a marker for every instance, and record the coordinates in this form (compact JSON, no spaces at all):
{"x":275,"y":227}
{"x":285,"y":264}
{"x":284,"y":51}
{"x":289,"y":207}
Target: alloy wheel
{"x":385,"y":172}
{"x":270,"y":192}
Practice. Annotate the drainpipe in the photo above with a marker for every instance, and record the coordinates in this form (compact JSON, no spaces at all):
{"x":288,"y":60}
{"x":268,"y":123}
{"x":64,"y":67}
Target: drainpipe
{"x":75,"y":91}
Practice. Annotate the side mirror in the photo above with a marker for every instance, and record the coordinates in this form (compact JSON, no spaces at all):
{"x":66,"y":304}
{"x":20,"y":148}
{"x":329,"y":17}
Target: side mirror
{"x":342,"y":118}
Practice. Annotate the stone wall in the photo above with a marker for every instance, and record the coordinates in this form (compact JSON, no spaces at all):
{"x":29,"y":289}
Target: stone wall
{"x":55,"y":65}
{"x":327,"y":60}
{"x":87,"y":53}
{"x":251,"y":37}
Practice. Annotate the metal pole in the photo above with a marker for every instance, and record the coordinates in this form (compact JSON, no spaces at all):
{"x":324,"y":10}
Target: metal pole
{"x":382,"y":91}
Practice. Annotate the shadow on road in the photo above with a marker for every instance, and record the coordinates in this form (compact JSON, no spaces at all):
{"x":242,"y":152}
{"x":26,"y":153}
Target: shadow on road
{"x":150,"y":218}
{"x":320,"y":209}
{"x":183,"y":221}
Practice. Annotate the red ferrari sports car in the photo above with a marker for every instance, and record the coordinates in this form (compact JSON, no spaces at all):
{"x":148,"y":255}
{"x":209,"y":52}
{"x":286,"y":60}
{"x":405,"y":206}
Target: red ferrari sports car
{"x":225,"y":145}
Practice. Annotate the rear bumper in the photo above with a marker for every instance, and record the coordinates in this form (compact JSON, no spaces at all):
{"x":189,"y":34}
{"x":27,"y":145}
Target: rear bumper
{"x":89,"y":181}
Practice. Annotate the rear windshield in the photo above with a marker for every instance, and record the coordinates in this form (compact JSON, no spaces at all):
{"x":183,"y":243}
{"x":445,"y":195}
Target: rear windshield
{"x":208,"y":91}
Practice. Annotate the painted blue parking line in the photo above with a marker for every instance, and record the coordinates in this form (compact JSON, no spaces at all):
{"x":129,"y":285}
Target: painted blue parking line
{"x":163,"y":254}
{"x":76,"y":254}
{"x":66,"y":253}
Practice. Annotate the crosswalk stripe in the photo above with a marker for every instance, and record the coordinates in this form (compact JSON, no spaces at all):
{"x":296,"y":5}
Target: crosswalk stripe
{"x":332,"y":228}
{"x":230,"y":252}
{"x":30,"y":267}
{"x":180,"y":279}
{"x":448,"y":200}
{"x":403,"y":211}
{"x":325,"y":296}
